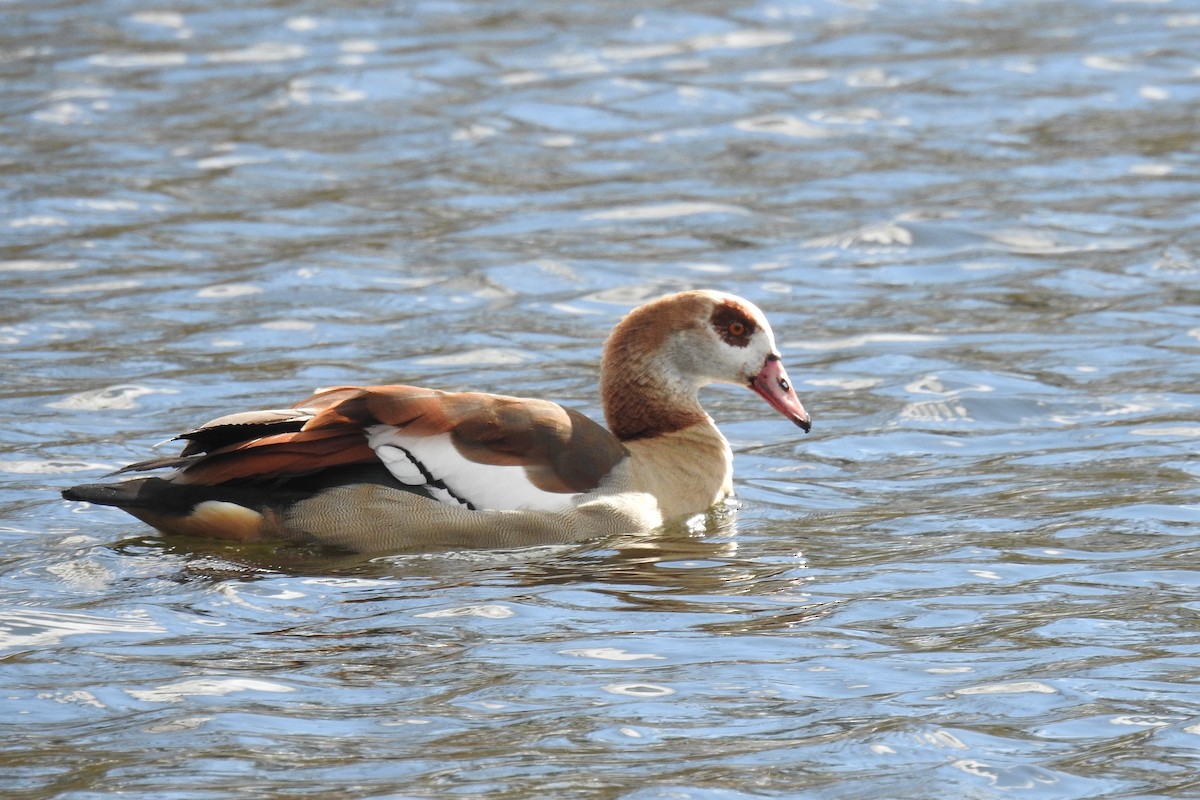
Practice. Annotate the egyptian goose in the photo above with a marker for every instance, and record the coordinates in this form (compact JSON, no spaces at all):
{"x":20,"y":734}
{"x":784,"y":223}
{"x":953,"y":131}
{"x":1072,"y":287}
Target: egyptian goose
{"x":380,"y":469}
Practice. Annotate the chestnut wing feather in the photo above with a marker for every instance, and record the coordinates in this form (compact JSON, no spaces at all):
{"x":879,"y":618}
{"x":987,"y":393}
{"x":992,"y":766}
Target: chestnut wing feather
{"x":279,"y":455}
{"x":560,"y":449}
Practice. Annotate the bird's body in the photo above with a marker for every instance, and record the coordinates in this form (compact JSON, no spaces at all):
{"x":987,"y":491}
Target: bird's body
{"x":402,"y":468}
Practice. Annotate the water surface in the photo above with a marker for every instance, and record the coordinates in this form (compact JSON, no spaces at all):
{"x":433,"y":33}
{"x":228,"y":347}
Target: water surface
{"x":973,"y":225}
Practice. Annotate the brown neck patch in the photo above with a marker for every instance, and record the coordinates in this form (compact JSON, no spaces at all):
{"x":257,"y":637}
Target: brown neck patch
{"x":631,"y":419}
{"x":639,"y":402}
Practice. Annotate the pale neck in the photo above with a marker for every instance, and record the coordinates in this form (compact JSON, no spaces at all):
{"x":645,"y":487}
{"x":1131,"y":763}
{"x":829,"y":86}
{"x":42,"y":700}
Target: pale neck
{"x":687,"y":471}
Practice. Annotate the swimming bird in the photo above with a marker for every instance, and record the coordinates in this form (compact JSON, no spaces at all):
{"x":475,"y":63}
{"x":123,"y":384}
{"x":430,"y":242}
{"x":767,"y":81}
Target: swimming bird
{"x":389,"y":469}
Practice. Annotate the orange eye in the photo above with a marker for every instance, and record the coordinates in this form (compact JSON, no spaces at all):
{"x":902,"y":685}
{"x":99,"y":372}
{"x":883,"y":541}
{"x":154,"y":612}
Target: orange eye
{"x":737,"y":328}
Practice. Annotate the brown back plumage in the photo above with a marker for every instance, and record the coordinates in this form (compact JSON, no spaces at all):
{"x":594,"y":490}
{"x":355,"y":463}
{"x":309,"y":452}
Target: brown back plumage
{"x":560,"y":449}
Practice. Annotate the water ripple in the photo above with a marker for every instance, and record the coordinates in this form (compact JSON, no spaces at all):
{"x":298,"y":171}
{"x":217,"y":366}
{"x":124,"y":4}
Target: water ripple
{"x":974,"y":233}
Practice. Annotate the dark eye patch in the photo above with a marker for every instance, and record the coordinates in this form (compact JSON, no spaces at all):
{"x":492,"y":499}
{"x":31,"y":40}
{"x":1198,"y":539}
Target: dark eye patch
{"x":733,"y":325}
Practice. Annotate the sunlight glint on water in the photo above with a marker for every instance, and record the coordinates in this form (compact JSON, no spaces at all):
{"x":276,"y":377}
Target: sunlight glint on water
{"x":972,"y":225}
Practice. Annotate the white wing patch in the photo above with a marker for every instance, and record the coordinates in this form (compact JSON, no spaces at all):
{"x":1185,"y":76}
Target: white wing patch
{"x":435,"y":463}
{"x":400,"y":464}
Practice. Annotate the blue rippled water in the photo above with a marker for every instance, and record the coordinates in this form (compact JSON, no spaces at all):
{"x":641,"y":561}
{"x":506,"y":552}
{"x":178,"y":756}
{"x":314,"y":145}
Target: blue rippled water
{"x":973,"y":225}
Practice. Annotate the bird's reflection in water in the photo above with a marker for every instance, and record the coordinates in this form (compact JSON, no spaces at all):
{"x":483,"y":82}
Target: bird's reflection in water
{"x":695,"y":557}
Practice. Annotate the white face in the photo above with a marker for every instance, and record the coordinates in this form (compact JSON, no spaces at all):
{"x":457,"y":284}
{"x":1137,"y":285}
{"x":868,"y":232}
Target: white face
{"x":730,"y":347}
{"x":745,"y":362}
{"x":744,"y":353}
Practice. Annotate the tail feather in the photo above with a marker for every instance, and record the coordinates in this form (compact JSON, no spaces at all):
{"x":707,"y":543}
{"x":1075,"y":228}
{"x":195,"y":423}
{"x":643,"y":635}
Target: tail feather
{"x":178,"y":508}
{"x":161,"y":496}
{"x":102,"y":494}
{"x":169,"y":496}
